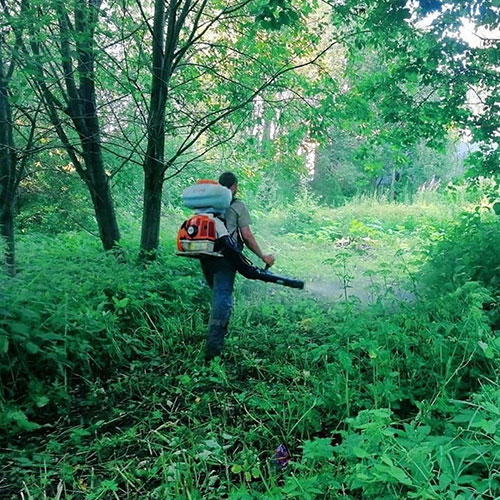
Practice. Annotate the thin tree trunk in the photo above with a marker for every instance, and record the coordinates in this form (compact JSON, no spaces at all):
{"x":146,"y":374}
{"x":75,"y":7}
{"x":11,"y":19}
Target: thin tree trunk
{"x":155,"y":153}
{"x":153,"y":188}
{"x":86,"y":16}
{"x":7,"y":232}
{"x":104,"y":209}
{"x":393,"y":184}
{"x":150,"y":236}
{"x":8,"y":184}
{"x":266,"y":134}
{"x":82,"y":109}
{"x":92,"y":172}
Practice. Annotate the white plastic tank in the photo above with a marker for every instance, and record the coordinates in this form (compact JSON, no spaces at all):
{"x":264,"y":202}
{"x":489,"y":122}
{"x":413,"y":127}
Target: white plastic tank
{"x":207,"y":194}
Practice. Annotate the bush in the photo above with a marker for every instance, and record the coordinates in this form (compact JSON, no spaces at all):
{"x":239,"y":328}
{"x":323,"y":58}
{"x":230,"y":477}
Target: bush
{"x":74,"y":315}
{"x":469,"y":251}
{"x":372,"y":402}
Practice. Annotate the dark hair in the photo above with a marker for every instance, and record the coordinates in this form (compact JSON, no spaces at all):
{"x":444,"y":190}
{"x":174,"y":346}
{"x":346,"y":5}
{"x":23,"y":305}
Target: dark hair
{"x":228,"y":179}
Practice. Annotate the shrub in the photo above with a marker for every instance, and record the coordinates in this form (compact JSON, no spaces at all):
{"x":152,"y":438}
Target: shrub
{"x":469,"y":251}
{"x":74,"y":315}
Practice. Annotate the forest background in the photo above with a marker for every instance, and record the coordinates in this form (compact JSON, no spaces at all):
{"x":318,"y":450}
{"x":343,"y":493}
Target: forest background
{"x":365,"y":137}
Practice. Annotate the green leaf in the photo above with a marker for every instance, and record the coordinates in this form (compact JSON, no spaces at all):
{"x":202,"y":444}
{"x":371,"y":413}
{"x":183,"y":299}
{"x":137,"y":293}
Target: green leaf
{"x":444,"y":480}
{"x":488,"y":426}
{"x":491,"y":408}
{"x":21,"y":420}
{"x":360,"y":452}
{"x":317,"y":448}
{"x":109,"y":485}
{"x":19,"y":328}
{"x":32,"y":348}
{"x":4,"y":344}
{"x":236,"y":469}
{"x":213,"y":444}
{"x":400,"y":475}
{"x":487,"y":350}
{"x":345,"y":360}
{"x":41,"y":401}
{"x":395,"y":472}
{"x":284,"y":19}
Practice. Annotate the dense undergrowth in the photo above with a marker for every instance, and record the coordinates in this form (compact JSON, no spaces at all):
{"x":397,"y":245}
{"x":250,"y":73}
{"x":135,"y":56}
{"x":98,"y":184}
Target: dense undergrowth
{"x":104,"y":393}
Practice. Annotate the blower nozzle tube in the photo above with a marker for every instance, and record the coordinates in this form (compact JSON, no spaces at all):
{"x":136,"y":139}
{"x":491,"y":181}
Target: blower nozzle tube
{"x":280,"y":280}
{"x":249,"y":271}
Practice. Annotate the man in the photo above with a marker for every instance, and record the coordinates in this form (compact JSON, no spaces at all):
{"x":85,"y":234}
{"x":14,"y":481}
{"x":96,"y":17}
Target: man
{"x":220,"y":272}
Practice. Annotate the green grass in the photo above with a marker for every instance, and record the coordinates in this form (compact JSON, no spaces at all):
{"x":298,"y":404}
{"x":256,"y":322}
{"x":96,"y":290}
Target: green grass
{"x":369,"y":245}
{"x":105,"y":394}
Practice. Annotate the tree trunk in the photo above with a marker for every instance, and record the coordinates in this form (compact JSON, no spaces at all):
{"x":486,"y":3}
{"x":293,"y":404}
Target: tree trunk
{"x":86,"y":16}
{"x":153,"y":177}
{"x":102,"y":200}
{"x":155,"y":153}
{"x":82,"y":109}
{"x":150,"y":236}
{"x":92,"y":171}
{"x":8,"y":174}
{"x":7,"y":232}
{"x":393,"y":185}
{"x":153,"y":185}
{"x":97,"y":179}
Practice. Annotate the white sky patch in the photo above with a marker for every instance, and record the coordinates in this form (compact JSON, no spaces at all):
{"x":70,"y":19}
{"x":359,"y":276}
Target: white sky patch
{"x":474,"y":35}
{"x":426,"y":22}
{"x":477,"y":36}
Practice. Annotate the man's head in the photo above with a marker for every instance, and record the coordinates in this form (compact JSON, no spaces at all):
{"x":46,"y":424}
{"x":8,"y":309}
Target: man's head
{"x":229,"y":180}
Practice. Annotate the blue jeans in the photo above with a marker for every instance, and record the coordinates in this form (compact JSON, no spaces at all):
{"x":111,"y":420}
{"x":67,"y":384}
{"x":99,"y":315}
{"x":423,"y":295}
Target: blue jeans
{"x":219,"y":273}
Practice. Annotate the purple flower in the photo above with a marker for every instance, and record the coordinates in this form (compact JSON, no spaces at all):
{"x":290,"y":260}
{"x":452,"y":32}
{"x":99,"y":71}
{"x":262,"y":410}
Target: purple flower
{"x":281,"y":457}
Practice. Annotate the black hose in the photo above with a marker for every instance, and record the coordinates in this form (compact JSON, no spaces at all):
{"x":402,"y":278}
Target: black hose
{"x":230,"y":250}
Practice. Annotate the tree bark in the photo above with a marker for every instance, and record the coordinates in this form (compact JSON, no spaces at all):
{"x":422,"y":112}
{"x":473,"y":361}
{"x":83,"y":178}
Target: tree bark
{"x":91,"y":134}
{"x":155,"y":153}
{"x":153,"y":179}
{"x":393,"y":185}
{"x":7,"y":232}
{"x":8,"y":175}
{"x":82,"y":109}
{"x":150,"y":236}
{"x":102,"y":201}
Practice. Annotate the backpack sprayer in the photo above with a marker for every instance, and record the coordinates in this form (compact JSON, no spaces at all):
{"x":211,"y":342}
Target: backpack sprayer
{"x":205,"y":233}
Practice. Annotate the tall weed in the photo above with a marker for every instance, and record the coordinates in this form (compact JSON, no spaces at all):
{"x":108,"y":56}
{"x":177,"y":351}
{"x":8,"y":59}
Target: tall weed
{"x":105,"y":394}
{"x":469,"y":251}
{"x":73,"y":315}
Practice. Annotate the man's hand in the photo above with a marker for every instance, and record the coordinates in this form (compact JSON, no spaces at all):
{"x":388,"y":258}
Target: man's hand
{"x":269,"y":259}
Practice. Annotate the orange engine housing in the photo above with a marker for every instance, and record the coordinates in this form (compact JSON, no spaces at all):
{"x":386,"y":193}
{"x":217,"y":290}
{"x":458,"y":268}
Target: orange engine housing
{"x":197,"y":235}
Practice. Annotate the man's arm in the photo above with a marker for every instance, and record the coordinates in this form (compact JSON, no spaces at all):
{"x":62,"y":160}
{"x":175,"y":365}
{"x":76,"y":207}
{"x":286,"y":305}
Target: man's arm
{"x":251,"y":243}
